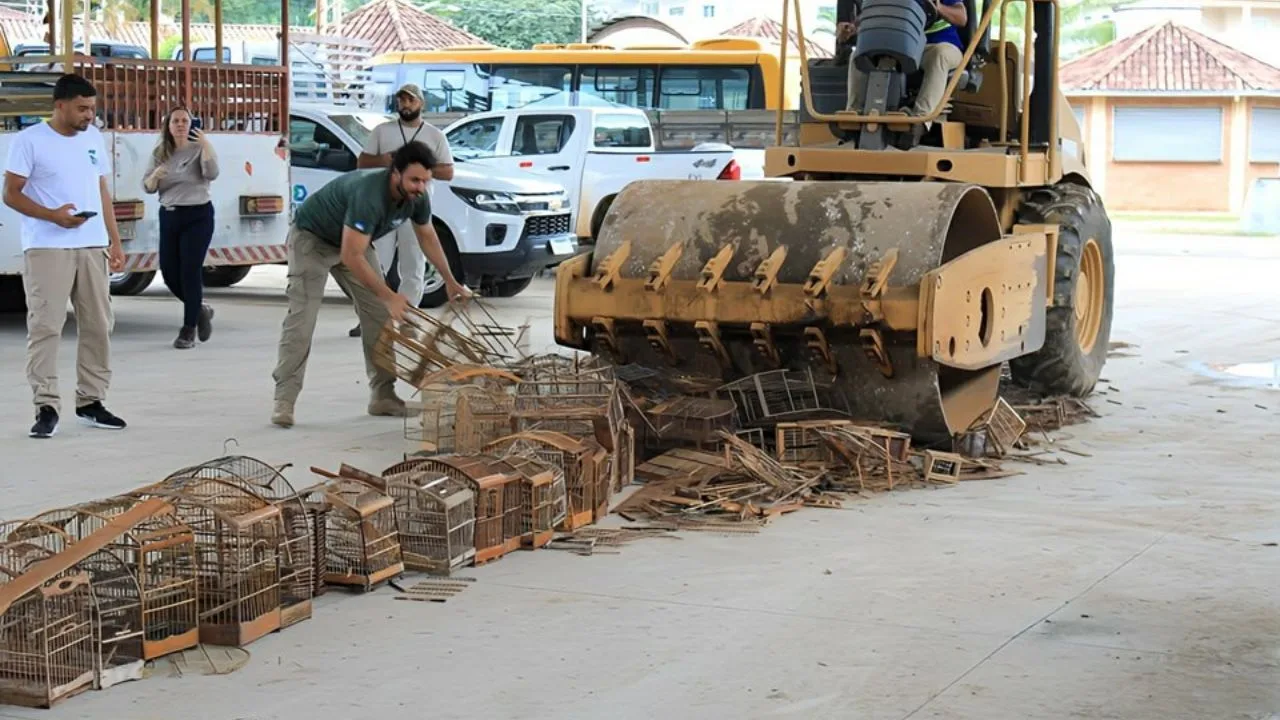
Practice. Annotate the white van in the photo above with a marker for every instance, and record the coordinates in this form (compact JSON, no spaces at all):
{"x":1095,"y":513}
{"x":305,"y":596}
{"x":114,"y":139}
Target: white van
{"x":498,"y":228}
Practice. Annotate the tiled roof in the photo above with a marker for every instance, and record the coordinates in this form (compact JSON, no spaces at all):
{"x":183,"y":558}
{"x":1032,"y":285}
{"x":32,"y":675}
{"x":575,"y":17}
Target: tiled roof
{"x":30,"y":29}
{"x":395,"y":25}
{"x":770,"y":29}
{"x":1169,"y":58}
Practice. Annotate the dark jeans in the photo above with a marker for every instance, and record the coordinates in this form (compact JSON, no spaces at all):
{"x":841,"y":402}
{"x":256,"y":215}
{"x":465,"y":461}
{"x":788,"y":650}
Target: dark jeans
{"x":185,"y":234}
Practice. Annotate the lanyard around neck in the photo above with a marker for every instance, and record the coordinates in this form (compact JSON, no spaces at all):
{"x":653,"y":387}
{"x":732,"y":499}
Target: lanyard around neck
{"x":400,"y":125}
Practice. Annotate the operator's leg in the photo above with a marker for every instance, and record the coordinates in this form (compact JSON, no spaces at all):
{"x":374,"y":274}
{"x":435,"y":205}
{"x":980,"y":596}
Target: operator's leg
{"x":412,"y":264}
{"x":385,"y":250}
{"x":939,"y":60}
{"x":373,"y":316}
{"x":310,"y":259}
{"x":857,"y":87}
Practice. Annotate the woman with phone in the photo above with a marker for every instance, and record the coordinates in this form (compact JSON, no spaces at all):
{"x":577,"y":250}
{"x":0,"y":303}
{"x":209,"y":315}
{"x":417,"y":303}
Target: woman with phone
{"x":181,"y":168}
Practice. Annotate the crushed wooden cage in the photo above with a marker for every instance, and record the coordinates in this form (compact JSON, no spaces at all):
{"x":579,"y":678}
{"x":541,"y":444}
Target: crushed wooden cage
{"x":585,"y":464}
{"x":298,"y":549}
{"x":570,"y":403}
{"x":776,"y":396}
{"x":543,"y":499}
{"x":872,"y":462}
{"x":437,"y":518}
{"x":238,"y":536}
{"x":497,"y":498}
{"x":159,"y":552}
{"x":801,"y":443}
{"x":419,"y":345}
{"x":363,"y":541}
{"x":47,"y":639}
{"x":691,"y":420}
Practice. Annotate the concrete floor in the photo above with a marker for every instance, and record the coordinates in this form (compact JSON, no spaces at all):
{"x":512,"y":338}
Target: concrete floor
{"x":1140,"y":582}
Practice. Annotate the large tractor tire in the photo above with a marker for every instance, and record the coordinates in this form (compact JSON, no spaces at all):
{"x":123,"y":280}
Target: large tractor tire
{"x":1078,"y":326}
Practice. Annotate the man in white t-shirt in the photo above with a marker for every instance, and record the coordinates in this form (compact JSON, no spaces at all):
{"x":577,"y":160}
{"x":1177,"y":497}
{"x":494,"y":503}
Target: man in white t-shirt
{"x":56,"y":178}
{"x":383,"y":142}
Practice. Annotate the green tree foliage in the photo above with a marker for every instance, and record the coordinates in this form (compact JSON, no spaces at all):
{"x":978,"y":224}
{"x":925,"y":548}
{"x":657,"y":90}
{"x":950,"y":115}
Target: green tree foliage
{"x":1084,"y":25}
{"x":516,"y":23}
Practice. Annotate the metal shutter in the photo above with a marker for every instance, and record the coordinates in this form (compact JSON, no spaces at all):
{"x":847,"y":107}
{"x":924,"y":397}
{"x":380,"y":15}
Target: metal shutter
{"x":1264,"y":135}
{"x":1167,"y":134}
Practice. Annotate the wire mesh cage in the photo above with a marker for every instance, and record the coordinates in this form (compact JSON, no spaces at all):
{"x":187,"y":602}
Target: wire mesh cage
{"x":497,"y":501}
{"x":437,"y":428}
{"x":47,"y":640}
{"x":564,"y":402}
{"x":543,"y":499}
{"x":297,"y":550}
{"x":584,"y":464}
{"x":777,"y":396}
{"x":159,"y":551}
{"x":238,"y":536}
{"x":437,"y":518}
{"x":363,"y":541}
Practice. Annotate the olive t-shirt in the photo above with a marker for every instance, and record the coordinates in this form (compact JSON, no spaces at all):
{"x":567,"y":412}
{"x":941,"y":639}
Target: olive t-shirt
{"x":361,"y":200}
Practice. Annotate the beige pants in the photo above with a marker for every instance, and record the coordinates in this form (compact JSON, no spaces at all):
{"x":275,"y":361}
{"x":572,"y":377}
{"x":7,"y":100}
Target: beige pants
{"x":311,"y":262}
{"x":51,"y":278}
{"x":939,"y":59}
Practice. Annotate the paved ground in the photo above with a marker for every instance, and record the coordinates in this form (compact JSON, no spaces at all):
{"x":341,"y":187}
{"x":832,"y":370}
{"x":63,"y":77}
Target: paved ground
{"x":1140,"y":582}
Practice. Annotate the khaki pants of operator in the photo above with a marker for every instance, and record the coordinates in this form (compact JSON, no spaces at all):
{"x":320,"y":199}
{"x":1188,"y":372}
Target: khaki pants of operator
{"x":939,"y":59}
{"x":311,"y":262}
{"x":51,"y":278}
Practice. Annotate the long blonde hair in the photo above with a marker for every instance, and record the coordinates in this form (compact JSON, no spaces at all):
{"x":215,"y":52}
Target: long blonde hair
{"x":167,"y":145}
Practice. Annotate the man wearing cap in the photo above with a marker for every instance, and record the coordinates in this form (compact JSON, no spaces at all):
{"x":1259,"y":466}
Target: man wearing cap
{"x":378,"y":149}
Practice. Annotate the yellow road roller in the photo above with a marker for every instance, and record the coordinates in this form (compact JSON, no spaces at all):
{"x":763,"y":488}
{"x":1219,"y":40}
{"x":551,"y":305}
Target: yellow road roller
{"x":903,"y":255}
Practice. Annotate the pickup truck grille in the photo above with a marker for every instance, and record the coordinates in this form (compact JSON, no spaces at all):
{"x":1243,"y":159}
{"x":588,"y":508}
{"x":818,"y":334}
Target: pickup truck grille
{"x":541,"y":225}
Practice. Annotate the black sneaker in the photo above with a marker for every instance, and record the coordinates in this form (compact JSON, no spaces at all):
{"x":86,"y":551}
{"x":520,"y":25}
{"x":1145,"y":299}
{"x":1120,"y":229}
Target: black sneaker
{"x":94,"y":415}
{"x":204,"y":325}
{"x":354,"y":332}
{"x":186,"y":339}
{"x":46,"y":422}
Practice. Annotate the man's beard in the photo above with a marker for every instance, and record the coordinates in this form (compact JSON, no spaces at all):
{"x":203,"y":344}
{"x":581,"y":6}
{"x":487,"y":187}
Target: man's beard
{"x":409,"y":115}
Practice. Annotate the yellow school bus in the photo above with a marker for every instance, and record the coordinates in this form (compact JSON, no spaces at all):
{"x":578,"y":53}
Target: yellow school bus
{"x":724,"y":74}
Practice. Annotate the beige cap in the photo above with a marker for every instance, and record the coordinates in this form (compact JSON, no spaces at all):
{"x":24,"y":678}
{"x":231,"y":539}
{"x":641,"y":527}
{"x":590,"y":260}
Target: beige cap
{"x":410,"y":89}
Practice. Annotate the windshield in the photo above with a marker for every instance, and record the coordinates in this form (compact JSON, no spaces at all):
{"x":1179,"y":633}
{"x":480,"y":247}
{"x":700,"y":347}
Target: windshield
{"x":359,"y":127}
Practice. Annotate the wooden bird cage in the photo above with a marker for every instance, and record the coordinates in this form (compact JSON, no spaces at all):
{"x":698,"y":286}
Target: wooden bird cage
{"x":543,"y":499}
{"x":298,"y":558}
{"x":497,"y":498}
{"x":159,"y":551}
{"x":437,"y":428}
{"x":572,"y":403}
{"x":363,"y":538}
{"x":238,"y":536}
{"x":437,"y":519}
{"x":801,"y":443}
{"x":691,"y":421}
{"x":585,"y":465}
{"x":775,"y":396}
{"x":47,"y":640}
{"x":415,"y":348}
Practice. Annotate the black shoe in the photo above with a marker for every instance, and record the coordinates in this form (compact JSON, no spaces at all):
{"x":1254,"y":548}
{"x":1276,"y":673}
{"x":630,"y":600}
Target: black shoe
{"x":46,"y":422}
{"x":204,"y":325}
{"x":354,"y":332}
{"x":186,"y":338}
{"x":94,"y":415}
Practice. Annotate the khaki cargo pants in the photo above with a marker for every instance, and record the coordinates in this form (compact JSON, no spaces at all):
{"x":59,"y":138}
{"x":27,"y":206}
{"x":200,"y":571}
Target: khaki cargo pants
{"x":311,"y":262}
{"x":51,"y":277}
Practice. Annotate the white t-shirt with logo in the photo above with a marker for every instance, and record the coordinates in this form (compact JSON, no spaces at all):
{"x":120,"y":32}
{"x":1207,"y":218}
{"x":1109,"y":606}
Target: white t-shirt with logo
{"x":61,"y":170}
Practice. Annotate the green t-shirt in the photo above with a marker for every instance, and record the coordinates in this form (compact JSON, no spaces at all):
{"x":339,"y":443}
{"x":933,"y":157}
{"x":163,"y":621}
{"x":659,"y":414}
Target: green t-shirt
{"x":360,"y":199}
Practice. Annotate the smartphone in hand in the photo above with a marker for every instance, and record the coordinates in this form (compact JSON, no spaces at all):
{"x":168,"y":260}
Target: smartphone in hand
{"x":86,"y":214}
{"x":196,"y":125}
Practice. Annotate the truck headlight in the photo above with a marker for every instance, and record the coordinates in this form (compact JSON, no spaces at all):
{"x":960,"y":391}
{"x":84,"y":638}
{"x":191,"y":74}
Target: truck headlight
{"x":488,"y":201}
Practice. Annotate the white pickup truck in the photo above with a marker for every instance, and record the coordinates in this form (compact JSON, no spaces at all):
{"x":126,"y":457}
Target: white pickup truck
{"x":593,"y":152}
{"x":499,"y":229}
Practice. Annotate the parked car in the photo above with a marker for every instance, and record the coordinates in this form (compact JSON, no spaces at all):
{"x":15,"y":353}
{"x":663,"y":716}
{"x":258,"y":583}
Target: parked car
{"x":593,"y":152}
{"x":499,"y":229}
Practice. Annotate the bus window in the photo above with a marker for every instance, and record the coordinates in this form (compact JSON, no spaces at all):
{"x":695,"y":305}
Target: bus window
{"x":622,"y":131}
{"x":515,"y":86}
{"x":452,"y":88}
{"x":625,"y":85}
{"x":704,"y":88}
